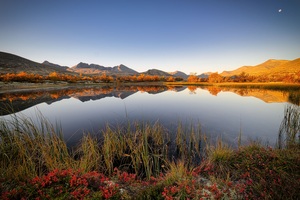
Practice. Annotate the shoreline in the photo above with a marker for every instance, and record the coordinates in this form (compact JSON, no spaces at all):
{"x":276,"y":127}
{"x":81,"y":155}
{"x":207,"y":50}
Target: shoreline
{"x":23,"y":87}
{"x":28,"y":86}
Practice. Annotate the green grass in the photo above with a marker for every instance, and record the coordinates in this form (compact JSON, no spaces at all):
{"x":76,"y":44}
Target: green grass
{"x":141,"y":161}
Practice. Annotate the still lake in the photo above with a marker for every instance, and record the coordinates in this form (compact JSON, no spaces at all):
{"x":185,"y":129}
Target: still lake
{"x":222,"y":113}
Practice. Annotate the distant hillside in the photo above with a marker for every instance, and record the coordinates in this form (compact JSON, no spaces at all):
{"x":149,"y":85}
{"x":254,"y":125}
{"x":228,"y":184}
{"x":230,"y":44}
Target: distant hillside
{"x":89,"y":68}
{"x":10,"y":63}
{"x":267,"y":68}
{"x":98,"y":69}
{"x":156,"y":72}
{"x":54,"y":65}
{"x":205,"y":75}
{"x":290,"y":67}
{"x":179,"y":74}
{"x":122,"y":69}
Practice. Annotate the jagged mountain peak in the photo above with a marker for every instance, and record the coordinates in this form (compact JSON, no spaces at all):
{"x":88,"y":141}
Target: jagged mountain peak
{"x":85,"y":65}
{"x":123,"y":69}
{"x":53,"y":65}
{"x":179,"y":74}
{"x":156,"y":72}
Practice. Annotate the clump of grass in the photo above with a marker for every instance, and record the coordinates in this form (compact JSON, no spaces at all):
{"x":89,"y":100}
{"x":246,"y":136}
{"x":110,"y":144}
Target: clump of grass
{"x":28,"y":149}
{"x":88,"y":155}
{"x":142,"y":149}
{"x":177,"y":171}
{"x":289,"y":131}
{"x":146,"y":149}
{"x":294,"y":97}
{"x":262,"y":173}
{"x":188,"y":144}
{"x":219,"y":153}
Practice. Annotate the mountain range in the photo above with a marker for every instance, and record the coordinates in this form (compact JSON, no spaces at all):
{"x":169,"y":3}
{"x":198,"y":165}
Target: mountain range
{"x":96,"y":69}
{"x":10,"y":63}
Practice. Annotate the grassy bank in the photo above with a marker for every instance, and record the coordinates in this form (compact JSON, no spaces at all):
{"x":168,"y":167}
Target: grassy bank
{"x":140,"y":161}
{"x":269,"y":86}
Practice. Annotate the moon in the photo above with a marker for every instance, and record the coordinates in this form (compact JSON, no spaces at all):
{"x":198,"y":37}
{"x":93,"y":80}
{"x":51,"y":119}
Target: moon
{"x":280,"y":10}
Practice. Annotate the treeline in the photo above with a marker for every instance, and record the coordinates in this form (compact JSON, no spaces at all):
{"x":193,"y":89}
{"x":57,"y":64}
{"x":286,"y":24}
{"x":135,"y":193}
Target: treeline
{"x":147,"y":78}
{"x":212,"y":78}
{"x":54,"y":76}
{"x":244,"y":77}
{"x":36,"y":78}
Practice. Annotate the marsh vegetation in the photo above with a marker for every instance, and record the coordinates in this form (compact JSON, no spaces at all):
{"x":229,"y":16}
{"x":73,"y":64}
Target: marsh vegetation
{"x":143,"y":161}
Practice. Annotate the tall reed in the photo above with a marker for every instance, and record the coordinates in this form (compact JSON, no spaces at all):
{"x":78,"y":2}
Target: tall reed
{"x":87,"y":156}
{"x":142,"y":148}
{"x":289,"y":131}
{"x":30,"y":148}
{"x":189,"y":143}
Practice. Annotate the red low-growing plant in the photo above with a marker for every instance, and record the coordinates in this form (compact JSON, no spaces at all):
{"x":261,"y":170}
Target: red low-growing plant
{"x":65,"y":184}
{"x":193,"y":189}
{"x":124,"y":177}
{"x":109,"y":191}
{"x":259,"y":172}
{"x":12,"y":194}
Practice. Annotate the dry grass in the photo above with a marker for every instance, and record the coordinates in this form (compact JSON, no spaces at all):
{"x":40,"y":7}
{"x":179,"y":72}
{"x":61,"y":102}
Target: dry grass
{"x":30,"y":149}
{"x":144,"y":152}
{"x":289,"y":131}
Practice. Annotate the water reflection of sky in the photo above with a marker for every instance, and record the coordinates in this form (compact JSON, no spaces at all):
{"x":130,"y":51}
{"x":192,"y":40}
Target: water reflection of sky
{"x":223,"y":115}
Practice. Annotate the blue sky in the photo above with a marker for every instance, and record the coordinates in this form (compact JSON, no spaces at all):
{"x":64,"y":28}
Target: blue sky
{"x":187,"y":35}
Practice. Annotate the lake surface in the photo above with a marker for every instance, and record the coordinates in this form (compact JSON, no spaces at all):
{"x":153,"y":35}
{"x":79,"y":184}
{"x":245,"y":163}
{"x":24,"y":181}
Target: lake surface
{"x":223,"y":113}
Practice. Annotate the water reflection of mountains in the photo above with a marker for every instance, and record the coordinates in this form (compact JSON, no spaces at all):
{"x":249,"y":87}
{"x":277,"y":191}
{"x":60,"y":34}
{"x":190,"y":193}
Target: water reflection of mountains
{"x":268,"y":96}
{"x":18,"y":101}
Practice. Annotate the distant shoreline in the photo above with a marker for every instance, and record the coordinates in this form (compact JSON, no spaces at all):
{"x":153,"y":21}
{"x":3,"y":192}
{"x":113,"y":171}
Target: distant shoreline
{"x":268,"y":85}
{"x":27,"y":86}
